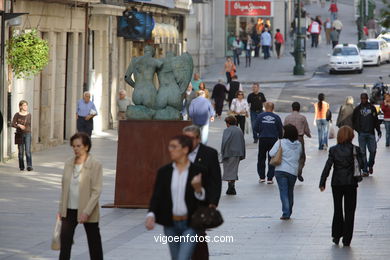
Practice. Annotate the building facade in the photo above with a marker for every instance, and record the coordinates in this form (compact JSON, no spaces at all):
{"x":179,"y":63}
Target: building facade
{"x":87,"y":52}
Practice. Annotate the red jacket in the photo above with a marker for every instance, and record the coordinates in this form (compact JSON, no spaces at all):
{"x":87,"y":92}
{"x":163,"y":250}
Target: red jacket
{"x":385,"y":110}
{"x":279,"y":38}
{"x":317,"y":25}
{"x":333,"y":8}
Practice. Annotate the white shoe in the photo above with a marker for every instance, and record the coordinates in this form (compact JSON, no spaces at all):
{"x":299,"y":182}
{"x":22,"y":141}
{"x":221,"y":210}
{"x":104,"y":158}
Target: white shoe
{"x":270,"y":182}
{"x":261,"y":180}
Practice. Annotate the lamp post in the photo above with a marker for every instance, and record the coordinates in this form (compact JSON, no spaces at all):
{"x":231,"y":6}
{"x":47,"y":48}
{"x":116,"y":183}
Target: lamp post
{"x":298,"y":51}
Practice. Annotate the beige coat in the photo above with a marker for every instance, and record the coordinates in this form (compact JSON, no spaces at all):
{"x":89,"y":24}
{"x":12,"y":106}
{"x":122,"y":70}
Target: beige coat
{"x":90,"y":187}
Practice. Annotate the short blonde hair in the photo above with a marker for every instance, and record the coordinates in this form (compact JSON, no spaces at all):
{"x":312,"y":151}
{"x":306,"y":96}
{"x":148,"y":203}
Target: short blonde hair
{"x":200,"y":93}
{"x":349,"y":100}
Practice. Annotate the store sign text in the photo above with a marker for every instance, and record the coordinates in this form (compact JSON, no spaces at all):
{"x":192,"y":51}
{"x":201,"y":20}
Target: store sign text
{"x":247,"y":8}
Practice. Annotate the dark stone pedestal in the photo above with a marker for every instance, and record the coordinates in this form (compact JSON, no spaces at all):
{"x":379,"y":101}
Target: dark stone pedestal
{"x":142,"y":150}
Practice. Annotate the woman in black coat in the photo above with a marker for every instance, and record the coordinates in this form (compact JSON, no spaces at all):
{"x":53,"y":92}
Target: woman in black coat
{"x":344,"y":184}
{"x":178,"y":192}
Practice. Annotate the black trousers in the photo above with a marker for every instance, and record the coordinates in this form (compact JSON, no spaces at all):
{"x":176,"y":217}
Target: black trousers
{"x":241,"y":122}
{"x":277,"y":47}
{"x":265,"y":145}
{"x":67,"y":232}
{"x":219,"y":105}
{"x":85,"y":126}
{"x":342,"y":225}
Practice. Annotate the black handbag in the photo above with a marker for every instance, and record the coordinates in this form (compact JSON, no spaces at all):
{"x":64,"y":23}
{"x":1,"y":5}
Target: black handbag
{"x":328,"y":115}
{"x":206,"y":217}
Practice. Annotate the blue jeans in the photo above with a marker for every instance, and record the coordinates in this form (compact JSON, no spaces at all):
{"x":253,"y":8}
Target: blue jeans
{"x":204,"y":132}
{"x":25,"y":147}
{"x":367,"y":141}
{"x":387,"y":126}
{"x":253,"y":121}
{"x":333,"y":16}
{"x":323,"y":127}
{"x":181,"y":250}
{"x":286,"y":183}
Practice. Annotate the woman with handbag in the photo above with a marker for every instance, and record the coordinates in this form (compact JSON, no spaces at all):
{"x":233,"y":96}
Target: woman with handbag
{"x":81,"y":187}
{"x":347,"y":164}
{"x":322,"y":117}
{"x":22,"y":123}
{"x":240,"y":109}
{"x":289,"y":151}
{"x":178,"y":192}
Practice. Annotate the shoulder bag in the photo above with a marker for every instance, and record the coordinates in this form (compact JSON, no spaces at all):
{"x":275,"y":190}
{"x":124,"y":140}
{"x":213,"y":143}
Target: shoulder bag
{"x":277,"y":159}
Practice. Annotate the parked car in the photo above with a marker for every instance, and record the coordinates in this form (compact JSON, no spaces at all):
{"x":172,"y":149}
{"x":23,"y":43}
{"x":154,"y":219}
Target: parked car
{"x":345,"y":57}
{"x":385,"y":36}
{"x":374,"y":51}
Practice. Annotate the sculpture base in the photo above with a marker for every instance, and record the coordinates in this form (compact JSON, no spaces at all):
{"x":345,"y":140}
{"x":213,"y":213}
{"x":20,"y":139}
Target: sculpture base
{"x":142,"y":150}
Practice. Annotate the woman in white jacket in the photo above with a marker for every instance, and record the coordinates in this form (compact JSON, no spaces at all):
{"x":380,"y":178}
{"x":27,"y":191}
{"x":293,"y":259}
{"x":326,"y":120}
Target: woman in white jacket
{"x":286,"y":173}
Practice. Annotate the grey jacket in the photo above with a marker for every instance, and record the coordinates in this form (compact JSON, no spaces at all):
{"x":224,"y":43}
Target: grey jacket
{"x":345,"y":116}
{"x":334,"y":36}
{"x":233,"y":143}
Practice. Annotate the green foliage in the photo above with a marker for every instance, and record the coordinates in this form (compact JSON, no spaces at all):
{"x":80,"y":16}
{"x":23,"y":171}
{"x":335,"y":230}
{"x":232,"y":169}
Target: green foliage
{"x":385,"y":14}
{"x":28,"y":54}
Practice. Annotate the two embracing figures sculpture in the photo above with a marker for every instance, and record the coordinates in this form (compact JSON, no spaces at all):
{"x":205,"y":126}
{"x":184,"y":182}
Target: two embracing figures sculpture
{"x":174,"y":74}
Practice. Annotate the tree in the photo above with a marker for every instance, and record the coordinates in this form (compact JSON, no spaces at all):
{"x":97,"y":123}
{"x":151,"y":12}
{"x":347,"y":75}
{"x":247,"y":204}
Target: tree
{"x":385,"y":14}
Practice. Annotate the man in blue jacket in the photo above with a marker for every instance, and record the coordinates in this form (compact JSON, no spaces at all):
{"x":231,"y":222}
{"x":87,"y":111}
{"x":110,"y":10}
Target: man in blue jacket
{"x":202,"y":112}
{"x":270,"y":129}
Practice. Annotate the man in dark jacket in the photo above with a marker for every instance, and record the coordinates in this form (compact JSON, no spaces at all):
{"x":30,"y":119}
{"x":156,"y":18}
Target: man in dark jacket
{"x":256,"y":99}
{"x":365,"y":121}
{"x":232,"y":89}
{"x":206,"y":157}
{"x":270,"y":128}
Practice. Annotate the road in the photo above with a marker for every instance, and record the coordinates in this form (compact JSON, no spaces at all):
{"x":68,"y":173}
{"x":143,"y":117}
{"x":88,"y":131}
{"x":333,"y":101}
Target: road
{"x":335,"y":87}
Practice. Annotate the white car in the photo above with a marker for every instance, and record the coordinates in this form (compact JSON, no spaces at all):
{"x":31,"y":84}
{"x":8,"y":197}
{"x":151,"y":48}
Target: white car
{"x":385,"y":36}
{"x":345,"y":57}
{"x":374,"y":51}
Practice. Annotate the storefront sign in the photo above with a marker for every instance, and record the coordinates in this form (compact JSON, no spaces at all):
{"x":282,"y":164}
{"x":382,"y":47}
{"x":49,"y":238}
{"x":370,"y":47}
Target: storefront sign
{"x":247,"y":8}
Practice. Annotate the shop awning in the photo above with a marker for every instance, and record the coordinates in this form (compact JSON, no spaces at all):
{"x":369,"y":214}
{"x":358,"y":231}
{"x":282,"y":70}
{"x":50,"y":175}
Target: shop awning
{"x":165,"y":33}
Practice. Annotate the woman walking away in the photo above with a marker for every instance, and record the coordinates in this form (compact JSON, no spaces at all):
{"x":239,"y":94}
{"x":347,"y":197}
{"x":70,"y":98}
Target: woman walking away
{"x":344,"y":185}
{"x":286,"y":173}
{"x":177,"y":194}
{"x":386,"y":111}
{"x":219,"y":95}
{"x":232,"y":151}
{"x":321,"y":109}
{"x":81,"y":187}
{"x":278,"y":42}
{"x":345,"y":113}
{"x":22,"y":123}
{"x":240,"y":109}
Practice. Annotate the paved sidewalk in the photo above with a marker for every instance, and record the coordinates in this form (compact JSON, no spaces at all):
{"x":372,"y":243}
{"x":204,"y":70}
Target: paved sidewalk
{"x":276,"y":70}
{"x":29,"y":202}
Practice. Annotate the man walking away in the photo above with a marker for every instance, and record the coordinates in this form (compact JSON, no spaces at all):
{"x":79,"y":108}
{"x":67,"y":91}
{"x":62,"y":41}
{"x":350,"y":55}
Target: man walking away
{"x":256,"y":99}
{"x":270,"y":128}
{"x":314,"y":30}
{"x":334,"y":37}
{"x":218,"y":95}
{"x":232,"y":89}
{"x":300,"y":122}
{"x":266,"y":43}
{"x":328,"y":29}
{"x":278,"y":42}
{"x":365,"y":121}
{"x":201,"y":112}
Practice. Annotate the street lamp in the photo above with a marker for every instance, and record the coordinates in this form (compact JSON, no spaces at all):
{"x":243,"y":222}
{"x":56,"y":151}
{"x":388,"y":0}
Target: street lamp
{"x":298,"y":51}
